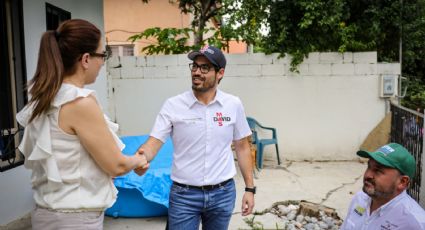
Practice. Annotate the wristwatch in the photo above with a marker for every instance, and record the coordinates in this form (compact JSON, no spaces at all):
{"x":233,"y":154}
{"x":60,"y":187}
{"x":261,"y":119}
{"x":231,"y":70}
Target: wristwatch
{"x":253,"y":189}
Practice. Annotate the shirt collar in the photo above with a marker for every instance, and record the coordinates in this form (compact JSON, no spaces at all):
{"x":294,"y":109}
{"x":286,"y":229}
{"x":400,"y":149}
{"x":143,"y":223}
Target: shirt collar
{"x":219,"y":97}
{"x":192,"y":100}
{"x":381,"y":210}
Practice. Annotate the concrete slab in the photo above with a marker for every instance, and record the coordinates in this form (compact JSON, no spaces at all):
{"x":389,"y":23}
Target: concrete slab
{"x":328,"y":183}
{"x":134,"y":223}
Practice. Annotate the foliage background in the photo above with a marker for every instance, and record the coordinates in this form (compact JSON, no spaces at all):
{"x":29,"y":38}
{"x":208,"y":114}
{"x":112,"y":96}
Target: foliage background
{"x":298,"y":27}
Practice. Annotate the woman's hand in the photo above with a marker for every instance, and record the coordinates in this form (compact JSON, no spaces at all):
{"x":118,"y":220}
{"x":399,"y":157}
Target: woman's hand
{"x":143,"y":165}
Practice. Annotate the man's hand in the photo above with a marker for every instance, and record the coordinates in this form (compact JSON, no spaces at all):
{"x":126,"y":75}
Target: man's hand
{"x":247,"y":203}
{"x":142,"y":170}
{"x":144,"y":166}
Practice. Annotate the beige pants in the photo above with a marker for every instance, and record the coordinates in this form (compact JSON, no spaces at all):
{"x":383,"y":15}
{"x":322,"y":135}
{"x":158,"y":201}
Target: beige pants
{"x":43,"y":219}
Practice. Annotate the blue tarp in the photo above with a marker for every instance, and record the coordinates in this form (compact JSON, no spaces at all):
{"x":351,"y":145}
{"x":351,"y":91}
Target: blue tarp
{"x":147,"y":195}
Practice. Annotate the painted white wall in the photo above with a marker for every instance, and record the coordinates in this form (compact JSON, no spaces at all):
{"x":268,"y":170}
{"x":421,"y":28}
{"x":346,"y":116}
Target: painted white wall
{"x":16,"y":195}
{"x":323,"y":113}
{"x":35,"y":26}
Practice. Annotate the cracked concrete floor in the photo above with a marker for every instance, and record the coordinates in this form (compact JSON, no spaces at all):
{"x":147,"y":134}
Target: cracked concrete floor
{"x":329,"y":183}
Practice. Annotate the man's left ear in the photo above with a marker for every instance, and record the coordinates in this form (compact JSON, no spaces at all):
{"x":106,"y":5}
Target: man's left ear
{"x":404,"y":182}
{"x":220,"y":73}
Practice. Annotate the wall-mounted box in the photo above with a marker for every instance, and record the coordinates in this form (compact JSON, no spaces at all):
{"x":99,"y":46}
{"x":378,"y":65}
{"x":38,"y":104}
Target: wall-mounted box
{"x":388,"y":85}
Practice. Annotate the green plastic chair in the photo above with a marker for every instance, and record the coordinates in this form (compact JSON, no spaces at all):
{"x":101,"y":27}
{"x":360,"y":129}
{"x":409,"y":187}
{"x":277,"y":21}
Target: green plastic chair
{"x":261,"y":143}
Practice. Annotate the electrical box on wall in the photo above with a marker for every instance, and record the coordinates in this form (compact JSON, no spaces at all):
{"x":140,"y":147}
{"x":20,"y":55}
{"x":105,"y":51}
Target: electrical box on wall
{"x":388,"y":85}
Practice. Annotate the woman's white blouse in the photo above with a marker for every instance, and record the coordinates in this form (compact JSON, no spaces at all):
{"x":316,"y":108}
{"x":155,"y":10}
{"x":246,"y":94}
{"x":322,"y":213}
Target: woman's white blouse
{"x":64,"y":175}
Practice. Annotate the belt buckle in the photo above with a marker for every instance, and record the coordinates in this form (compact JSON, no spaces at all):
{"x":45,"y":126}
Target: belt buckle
{"x":207,"y":187}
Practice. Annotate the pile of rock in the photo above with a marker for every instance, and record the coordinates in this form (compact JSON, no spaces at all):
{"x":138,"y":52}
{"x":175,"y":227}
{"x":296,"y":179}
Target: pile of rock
{"x":294,"y":215}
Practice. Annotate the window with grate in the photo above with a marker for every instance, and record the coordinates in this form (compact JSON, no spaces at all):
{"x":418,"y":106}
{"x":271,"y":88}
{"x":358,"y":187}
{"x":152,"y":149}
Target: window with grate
{"x":122,"y":50}
{"x":114,"y":50}
{"x":128,"y":50}
{"x":13,"y":95}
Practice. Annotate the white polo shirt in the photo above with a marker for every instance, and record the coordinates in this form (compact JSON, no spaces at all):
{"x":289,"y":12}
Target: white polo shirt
{"x":401,"y":213}
{"x":202,"y":136}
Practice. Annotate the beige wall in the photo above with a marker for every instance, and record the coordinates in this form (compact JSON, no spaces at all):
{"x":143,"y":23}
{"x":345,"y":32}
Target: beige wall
{"x":237,"y":47}
{"x":124,"y":18}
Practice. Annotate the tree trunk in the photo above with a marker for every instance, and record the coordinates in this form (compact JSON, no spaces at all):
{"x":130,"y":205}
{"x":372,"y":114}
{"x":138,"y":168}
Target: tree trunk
{"x":199,"y":35}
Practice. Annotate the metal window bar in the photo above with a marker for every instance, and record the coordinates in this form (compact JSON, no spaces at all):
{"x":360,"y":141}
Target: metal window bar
{"x":407,"y":129}
{"x":13,"y":94}
{"x":10,"y":156}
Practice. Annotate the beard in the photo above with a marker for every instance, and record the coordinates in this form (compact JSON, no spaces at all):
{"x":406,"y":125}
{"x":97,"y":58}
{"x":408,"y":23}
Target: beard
{"x":375,"y":192}
{"x":204,"y":86}
{"x":201,"y":89}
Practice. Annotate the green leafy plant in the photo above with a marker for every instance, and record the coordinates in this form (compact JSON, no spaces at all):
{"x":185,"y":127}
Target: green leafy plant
{"x":300,"y":27}
{"x":167,"y":41}
{"x":176,"y":40}
{"x":254,"y":225}
{"x":415,"y":99}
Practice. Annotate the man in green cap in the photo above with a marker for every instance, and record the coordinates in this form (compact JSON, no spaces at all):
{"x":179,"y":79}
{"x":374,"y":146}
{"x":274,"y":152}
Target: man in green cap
{"x":384,"y":203}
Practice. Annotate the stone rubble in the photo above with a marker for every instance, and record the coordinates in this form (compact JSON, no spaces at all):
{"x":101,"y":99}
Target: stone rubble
{"x":299,"y":215}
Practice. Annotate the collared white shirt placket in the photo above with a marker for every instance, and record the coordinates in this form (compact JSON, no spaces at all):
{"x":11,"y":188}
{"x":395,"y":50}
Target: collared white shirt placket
{"x":370,"y":219}
{"x":375,"y":219}
{"x":208,"y":143}
{"x":202,"y":135}
{"x":211,"y":140}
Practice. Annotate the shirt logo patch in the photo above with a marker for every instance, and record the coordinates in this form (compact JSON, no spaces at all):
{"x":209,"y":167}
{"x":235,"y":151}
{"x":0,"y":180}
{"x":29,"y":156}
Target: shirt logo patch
{"x":386,"y":150}
{"x":219,"y":118}
{"x":388,"y":226}
{"x":359,"y":210}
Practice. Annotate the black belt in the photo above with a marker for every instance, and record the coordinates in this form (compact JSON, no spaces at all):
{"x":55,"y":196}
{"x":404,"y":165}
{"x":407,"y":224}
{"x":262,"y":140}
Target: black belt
{"x":204,"y":187}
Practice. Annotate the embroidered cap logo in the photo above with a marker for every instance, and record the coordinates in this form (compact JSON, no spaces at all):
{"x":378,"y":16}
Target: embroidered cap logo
{"x":206,"y":48}
{"x":386,"y":150}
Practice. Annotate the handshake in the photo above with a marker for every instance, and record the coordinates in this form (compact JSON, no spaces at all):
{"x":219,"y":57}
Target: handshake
{"x":142,"y":162}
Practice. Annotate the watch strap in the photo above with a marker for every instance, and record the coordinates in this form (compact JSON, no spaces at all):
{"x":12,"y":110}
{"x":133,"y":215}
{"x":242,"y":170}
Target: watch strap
{"x":253,"y":190}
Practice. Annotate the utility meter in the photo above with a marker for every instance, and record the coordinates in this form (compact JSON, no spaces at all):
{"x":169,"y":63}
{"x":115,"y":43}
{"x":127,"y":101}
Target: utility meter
{"x":388,"y":85}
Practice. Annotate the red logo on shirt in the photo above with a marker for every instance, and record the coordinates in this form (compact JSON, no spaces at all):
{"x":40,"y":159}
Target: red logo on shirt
{"x":220,"y":119}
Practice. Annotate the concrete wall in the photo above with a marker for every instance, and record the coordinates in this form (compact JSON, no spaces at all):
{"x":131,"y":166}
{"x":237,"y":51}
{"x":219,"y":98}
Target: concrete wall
{"x":322,"y":113}
{"x":35,"y":25}
{"x":16,"y":195}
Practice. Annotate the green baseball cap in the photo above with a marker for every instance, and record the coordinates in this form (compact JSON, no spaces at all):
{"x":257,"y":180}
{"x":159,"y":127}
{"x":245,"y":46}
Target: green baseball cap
{"x":393,"y":155}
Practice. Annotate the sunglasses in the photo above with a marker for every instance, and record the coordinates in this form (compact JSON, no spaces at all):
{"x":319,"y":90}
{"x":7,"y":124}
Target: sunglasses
{"x":205,"y":68}
{"x":105,"y":55}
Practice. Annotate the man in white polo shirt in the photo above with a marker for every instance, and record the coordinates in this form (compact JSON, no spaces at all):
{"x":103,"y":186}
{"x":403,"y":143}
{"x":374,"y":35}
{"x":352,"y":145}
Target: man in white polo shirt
{"x":203,"y":123}
{"x":384,"y":204}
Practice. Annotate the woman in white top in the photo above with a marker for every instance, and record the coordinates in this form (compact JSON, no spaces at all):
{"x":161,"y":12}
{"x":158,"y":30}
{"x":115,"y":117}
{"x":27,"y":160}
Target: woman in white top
{"x":68,"y":143}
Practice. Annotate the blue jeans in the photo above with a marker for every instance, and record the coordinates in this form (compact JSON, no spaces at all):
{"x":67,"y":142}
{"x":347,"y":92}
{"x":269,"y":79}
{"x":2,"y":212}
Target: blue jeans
{"x":188,"y":206}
